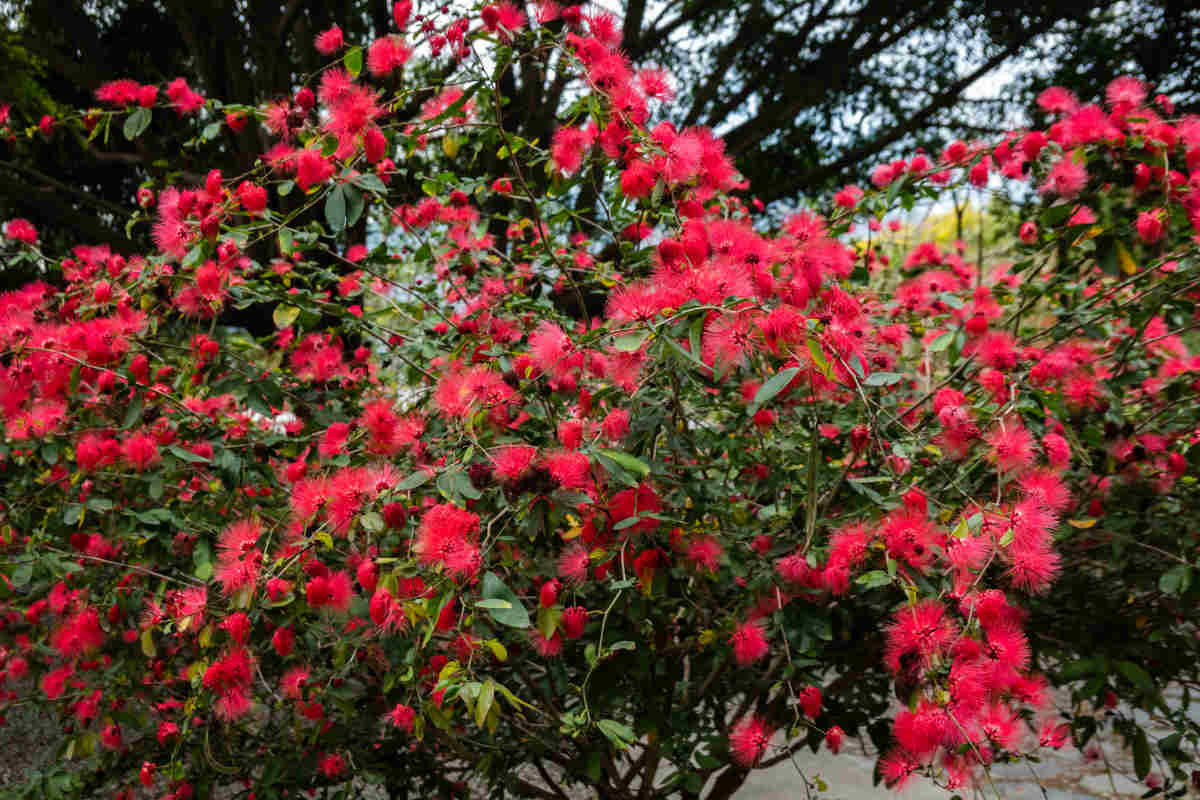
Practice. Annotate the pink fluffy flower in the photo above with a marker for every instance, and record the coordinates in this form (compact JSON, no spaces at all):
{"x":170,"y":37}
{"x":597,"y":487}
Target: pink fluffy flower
{"x":749,"y":643}
{"x":749,"y":739}
{"x":21,"y":230}
{"x":329,"y":41}
{"x":1066,"y":179}
{"x":1013,"y":448}
{"x":513,"y":462}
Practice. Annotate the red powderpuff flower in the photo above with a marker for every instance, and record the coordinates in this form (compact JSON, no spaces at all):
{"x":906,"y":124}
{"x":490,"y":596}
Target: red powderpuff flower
{"x":548,"y":595}
{"x":1057,"y":100}
{"x":312,"y":169}
{"x":230,"y":679}
{"x":1033,"y":568}
{"x":140,"y":451}
{"x":640,"y":502}
{"x":283,"y":641}
{"x":446,"y":536}
{"x":897,"y":767}
{"x":705,"y":552}
{"x":1013,"y":448}
{"x":570,"y":433}
{"x":110,"y":736}
{"x":513,"y":462}
{"x":293,"y":682}
{"x":79,"y":635}
{"x":1066,"y":179}
{"x":922,"y":630}
{"x":121,"y":92}
{"x":918,"y":732}
{"x":569,"y":468}
{"x":54,"y":682}
{"x":547,"y":648}
{"x":252,"y":197}
{"x":748,"y":740}
{"x":794,"y":568}
{"x":1000,"y":725}
{"x":332,"y":765}
{"x":387,"y":55}
{"x":749,"y":643}
{"x":383,"y":427}
{"x":1125,"y":92}
{"x":22,"y":230}
{"x":329,"y":41}
{"x":183,"y":99}
{"x":550,"y":347}
{"x":402,"y":716}
{"x":238,"y":540}
{"x":1151,"y":225}
{"x":1053,"y":733}
{"x":237,"y":625}
{"x":615,"y":425}
{"x":574,"y":619}
{"x":573,"y":564}
{"x":503,"y":20}
{"x":1058,"y":451}
{"x":334,"y":440}
{"x":333,"y":591}
{"x":569,"y":146}
{"x":1046,"y":488}
{"x":810,"y":701}
{"x":848,"y":197}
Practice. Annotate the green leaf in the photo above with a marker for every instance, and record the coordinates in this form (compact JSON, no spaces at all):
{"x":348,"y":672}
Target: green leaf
{"x":1136,"y":675}
{"x":631,"y":342}
{"x":136,"y":123}
{"x":883,"y":378}
{"x":211,"y":130}
{"x":619,"y":734}
{"x":495,"y":603}
{"x":1176,"y":580}
{"x":774,"y":385}
{"x":354,"y":61}
{"x":23,"y":574}
{"x":631,"y":463}
{"x":287,"y":241}
{"x":133,"y":413}
{"x":355,"y":203}
{"x":1080,"y":669}
{"x":186,"y":455}
{"x":370,"y":182}
{"x":72,"y":514}
{"x":623,"y":645}
{"x":372,"y":522}
{"x":194,"y":256}
{"x":494,"y":589}
{"x":335,"y":208}
{"x":284,"y":315}
{"x":487,"y":694}
{"x":873,"y":579}
{"x":942,"y":342}
{"x":1141,"y":754}
{"x":418,"y":478}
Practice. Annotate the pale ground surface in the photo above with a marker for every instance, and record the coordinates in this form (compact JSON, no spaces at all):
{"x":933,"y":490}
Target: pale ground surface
{"x":28,"y":741}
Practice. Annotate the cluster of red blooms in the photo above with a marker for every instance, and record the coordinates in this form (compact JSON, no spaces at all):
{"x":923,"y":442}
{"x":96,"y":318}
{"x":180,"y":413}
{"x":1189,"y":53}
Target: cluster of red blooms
{"x":781,"y":299}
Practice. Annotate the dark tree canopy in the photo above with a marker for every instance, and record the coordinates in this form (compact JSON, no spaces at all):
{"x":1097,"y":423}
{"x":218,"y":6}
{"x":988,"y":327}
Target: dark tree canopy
{"x":807,"y":93}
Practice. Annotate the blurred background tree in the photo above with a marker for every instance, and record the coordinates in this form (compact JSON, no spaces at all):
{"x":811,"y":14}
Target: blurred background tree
{"x":808,"y":94}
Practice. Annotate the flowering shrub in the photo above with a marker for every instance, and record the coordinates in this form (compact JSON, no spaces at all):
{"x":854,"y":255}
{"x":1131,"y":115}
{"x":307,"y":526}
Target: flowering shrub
{"x":490,"y":490}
